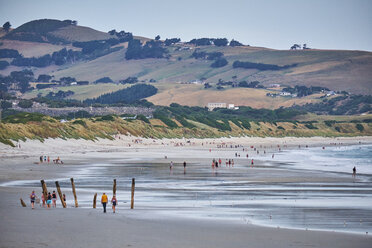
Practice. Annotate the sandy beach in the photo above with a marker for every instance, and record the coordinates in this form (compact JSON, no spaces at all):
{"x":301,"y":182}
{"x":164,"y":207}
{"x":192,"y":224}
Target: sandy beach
{"x":151,"y":223}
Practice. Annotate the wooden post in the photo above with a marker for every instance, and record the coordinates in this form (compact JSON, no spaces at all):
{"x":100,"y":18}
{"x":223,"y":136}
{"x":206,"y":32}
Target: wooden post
{"x":45,"y":190}
{"x":60,"y":195}
{"x":132,"y":198}
{"x":95,"y":200}
{"x":23,"y":203}
{"x":114,"y":188}
{"x":73,"y":191}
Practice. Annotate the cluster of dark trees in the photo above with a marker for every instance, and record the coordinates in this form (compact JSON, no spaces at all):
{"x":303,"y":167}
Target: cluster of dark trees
{"x":151,"y":49}
{"x":127,"y":95}
{"x":9,"y":53}
{"x":104,"y":80}
{"x":219,"y":61}
{"x":260,"y":66}
{"x":58,"y":58}
{"x":6,"y":26}
{"x":340,"y":105}
{"x":214,"y":41}
{"x":297,"y":46}
{"x":89,"y":47}
{"x":122,"y":35}
{"x":3,"y":64}
{"x":44,"y":86}
{"x":171,"y":41}
{"x":197,"y":54}
{"x":59,"y":95}
{"x":20,"y":78}
{"x":243,"y":84}
{"x":129,"y":80}
{"x":305,"y":91}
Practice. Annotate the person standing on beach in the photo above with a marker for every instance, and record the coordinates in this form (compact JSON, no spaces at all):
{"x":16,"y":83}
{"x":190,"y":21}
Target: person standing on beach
{"x":184,"y":167}
{"x":54,"y":199}
{"x":114,"y":203}
{"x":354,"y":172}
{"x":49,"y":200}
{"x":43,"y":200}
{"x":33,"y":198}
{"x":104,"y":201}
{"x":171,"y":167}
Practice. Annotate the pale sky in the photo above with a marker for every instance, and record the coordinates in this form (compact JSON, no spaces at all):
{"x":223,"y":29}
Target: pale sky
{"x":324,"y":24}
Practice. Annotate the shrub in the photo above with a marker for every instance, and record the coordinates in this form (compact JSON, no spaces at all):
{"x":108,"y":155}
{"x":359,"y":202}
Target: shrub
{"x":104,"y":80}
{"x":220,"y":62}
{"x":359,"y":127}
{"x":3,"y":64}
{"x":143,"y":118}
{"x":80,"y":122}
{"x":329,"y":123}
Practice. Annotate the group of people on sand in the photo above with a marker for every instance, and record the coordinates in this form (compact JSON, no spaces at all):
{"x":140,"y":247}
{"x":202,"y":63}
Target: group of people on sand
{"x":49,"y":201}
{"x":104,"y":201}
{"x":46,"y":159}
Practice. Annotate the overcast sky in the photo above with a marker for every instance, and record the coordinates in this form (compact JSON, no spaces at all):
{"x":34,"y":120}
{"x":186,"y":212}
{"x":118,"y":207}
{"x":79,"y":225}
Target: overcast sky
{"x":325,"y":24}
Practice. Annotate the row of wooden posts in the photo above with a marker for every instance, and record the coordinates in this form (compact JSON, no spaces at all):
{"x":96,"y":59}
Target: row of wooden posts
{"x":45,"y":193}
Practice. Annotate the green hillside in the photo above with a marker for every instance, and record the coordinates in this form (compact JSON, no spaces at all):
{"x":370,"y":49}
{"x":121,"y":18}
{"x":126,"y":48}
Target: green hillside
{"x":335,"y":69}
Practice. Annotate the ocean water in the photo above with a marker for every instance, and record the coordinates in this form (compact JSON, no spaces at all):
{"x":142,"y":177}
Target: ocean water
{"x":308,"y":188}
{"x":331,"y":159}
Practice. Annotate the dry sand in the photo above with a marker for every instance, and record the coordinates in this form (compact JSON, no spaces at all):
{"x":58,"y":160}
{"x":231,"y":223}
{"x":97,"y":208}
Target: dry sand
{"x":23,"y":227}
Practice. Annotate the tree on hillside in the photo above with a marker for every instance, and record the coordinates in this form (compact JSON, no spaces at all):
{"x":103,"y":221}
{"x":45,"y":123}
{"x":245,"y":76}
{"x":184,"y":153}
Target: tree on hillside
{"x":295,"y":47}
{"x":235,"y":43}
{"x":220,"y":62}
{"x":157,"y":37}
{"x":220,"y":42}
{"x":44,"y":78}
{"x":6,"y":26}
{"x":112,"y":32}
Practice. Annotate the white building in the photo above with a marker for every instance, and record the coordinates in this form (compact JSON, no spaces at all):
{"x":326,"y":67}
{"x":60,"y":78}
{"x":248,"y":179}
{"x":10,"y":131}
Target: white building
{"x":284,"y":93}
{"x":214,"y":105}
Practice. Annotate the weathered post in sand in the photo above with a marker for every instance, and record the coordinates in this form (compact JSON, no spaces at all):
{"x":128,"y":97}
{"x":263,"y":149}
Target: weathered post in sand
{"x":45,"y":190}
{"x":60,"y":195}
{"x":95,"y":200}
{"x":23,"y":203}
{"x":114,"y":188}
{"x":132,"y":198}
{"x":74,"y":192}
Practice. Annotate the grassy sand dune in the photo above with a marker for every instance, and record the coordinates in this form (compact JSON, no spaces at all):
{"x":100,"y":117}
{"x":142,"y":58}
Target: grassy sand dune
{"x":92,"y":129}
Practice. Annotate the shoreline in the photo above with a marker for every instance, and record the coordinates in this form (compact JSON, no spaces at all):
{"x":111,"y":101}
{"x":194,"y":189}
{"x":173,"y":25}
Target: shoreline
{"x":81,"y":155}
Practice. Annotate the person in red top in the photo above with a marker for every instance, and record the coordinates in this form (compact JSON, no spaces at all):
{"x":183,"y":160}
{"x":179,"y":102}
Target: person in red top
{"x":104,"y":201}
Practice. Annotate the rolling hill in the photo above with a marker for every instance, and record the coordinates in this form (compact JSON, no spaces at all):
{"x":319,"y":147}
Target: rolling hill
{"x":339,"y":70}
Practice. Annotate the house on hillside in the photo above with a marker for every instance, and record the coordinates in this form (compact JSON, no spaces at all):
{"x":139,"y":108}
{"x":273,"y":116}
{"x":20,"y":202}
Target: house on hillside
{"x":213,"y":105}
{"x":284,"y":93}
{"x":274,"y":85}
{"x":331,"y":93}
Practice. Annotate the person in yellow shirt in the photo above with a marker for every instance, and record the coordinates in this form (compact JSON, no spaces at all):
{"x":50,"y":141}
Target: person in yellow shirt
{"x":104,"y":201}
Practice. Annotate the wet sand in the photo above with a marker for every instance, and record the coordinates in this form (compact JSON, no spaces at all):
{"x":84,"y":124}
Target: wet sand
{"x":86,"y":227}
